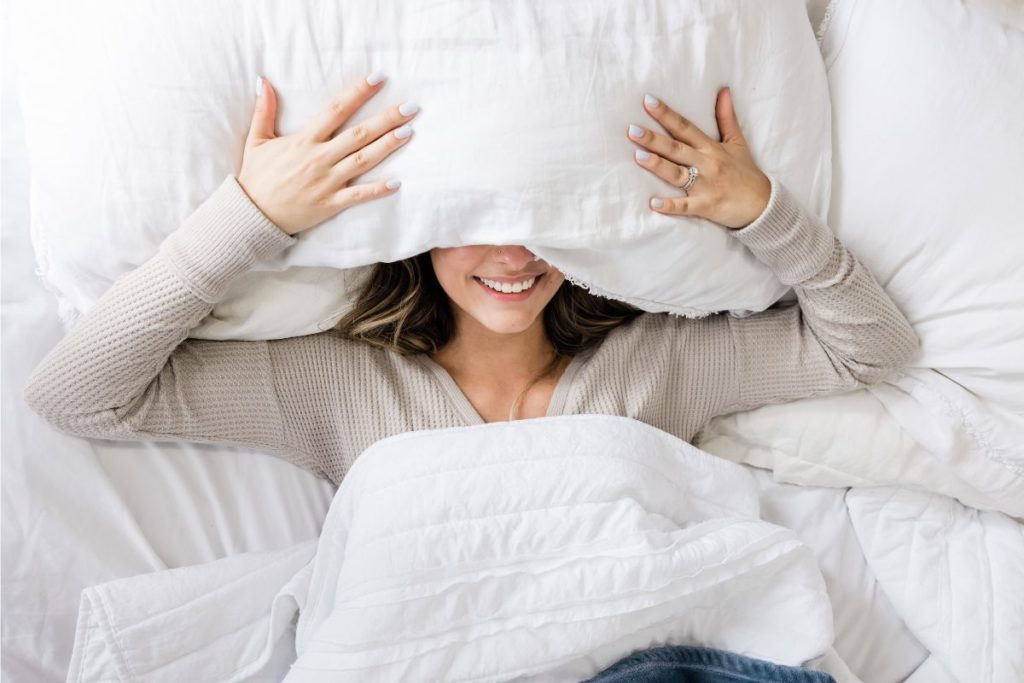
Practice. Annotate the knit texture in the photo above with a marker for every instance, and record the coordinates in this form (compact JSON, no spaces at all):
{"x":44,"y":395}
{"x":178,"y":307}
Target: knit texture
{"x":128,"y":371}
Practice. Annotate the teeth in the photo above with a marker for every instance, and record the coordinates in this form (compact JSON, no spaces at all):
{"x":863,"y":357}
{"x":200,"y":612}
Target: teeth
{"x":508,"y":287}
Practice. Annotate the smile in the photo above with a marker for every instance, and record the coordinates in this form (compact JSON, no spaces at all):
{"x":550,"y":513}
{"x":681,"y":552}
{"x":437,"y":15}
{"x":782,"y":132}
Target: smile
{"x":508,"y":291}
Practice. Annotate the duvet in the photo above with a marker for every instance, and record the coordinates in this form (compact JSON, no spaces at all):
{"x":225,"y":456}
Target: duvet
{"x":541,"y":549}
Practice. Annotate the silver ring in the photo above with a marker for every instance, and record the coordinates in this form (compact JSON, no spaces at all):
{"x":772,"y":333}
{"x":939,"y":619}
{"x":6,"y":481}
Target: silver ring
{"x":694,"y":172}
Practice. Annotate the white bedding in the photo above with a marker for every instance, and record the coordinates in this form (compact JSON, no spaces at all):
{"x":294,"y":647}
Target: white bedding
{"x":550,"y":548}
{"x":524,"y":108}
{"x":79,"y":513}
{"x":546,"y":548}
{"x":954,"y":574}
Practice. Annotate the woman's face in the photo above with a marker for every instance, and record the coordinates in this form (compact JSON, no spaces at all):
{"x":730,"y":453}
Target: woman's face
{"x":463,"y":270}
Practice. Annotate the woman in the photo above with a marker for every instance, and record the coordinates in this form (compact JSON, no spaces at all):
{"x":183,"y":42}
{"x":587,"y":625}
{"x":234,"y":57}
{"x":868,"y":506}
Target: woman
{"x":430,"y":343}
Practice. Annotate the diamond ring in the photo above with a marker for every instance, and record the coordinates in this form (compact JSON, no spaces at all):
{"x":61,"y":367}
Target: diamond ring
{"x":694,"y":172}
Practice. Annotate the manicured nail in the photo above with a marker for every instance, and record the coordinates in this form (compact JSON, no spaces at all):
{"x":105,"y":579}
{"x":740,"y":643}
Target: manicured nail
{"x":375,"y":78}
{"x":403,"y":132}
{"x":642,"y":155}
{"x":657,"y":203}
{"x":635,"y":131}
{"x":393,"y":184}
{"x":408,"y":108}
{"x":651,"y":101}
{"x":259,"y":87}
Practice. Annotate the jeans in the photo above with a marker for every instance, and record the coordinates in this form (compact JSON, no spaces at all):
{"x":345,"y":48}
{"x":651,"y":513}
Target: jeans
{"x":685,"y":664}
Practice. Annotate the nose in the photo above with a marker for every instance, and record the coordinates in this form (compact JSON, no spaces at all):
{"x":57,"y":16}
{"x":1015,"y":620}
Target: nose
{"x":516,"y":256}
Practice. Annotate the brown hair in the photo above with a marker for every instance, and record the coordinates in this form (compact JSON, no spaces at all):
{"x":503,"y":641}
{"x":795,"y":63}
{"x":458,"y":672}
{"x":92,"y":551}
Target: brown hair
{"x":403,"y":308}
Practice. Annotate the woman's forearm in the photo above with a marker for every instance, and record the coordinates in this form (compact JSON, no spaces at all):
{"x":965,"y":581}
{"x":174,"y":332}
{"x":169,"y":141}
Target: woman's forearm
{"x":846,"y":331}
{"x":95,"y":378}
{"x":841,"y":301}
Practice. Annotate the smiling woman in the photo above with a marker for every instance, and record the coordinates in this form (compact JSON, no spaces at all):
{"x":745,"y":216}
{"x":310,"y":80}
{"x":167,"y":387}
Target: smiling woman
{"x":429,"y":344}
{"x":481,"y":312}
{"x":446,"y":303}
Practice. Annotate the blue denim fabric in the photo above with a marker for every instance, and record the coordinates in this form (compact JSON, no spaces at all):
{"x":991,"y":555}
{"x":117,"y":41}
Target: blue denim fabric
{"x":685,"y":664}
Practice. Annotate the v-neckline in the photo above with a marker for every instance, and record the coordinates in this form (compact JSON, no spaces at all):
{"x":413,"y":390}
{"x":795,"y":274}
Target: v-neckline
{"x":464,"y":407}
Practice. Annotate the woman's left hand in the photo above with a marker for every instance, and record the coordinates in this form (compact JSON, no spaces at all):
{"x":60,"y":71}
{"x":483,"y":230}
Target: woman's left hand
{"x":730,"y":189}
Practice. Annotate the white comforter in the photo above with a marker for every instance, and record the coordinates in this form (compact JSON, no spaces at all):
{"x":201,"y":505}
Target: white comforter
{"x":935,"y":502}
{"x":546,"y":550}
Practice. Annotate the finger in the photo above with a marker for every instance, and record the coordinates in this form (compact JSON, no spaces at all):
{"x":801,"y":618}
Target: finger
{"x":680,"y":128}
{"x":364,"y":159}
{"x":264,"y":115}
{"x":679,"y":206}
{"x":728,"y":123}
{"x":664,"y":146}
{"x":363,"y":133}
{"x":342,"y":106}
{"x":359,"y":194}
{"x":669,"y":171}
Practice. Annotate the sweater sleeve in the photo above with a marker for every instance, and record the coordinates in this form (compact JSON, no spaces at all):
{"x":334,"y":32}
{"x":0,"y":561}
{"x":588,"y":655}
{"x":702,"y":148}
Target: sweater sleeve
{"x":126,"y":369}
{"x":844,"y":331}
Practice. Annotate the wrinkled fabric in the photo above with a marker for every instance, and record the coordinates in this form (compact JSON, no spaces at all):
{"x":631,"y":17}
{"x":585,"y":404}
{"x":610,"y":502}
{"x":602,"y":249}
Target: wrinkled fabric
{"x":521,"y":137}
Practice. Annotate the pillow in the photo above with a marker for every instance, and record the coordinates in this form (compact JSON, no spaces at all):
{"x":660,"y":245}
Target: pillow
{"x":855,"y":439}
{"x":520,"y":139}
{"x":928,"y":123}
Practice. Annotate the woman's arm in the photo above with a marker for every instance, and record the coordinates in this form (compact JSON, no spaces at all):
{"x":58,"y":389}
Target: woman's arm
{"x":127,"y":369}
{"x":844,"y":332}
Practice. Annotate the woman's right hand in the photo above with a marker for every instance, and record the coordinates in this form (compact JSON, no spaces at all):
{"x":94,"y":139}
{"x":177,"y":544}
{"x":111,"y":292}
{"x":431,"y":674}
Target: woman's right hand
{"x":301,"y":180}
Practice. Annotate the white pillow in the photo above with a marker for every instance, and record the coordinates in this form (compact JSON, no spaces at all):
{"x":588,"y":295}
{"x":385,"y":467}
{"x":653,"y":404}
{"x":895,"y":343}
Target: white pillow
{"x":928,"y":120}
{"x":856,"y":439}
{"x":135,"y":112}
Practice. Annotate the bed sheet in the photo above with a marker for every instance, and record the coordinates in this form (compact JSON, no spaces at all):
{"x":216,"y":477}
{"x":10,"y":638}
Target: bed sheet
{"x":78,"y":512}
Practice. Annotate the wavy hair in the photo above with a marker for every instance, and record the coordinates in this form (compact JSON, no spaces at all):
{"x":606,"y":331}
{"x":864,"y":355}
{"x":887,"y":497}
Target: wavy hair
{"x":402,"y":307}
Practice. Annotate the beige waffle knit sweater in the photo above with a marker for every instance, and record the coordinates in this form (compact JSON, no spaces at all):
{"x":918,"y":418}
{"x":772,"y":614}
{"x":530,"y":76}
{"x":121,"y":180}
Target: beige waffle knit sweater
{"x":127,"y":370}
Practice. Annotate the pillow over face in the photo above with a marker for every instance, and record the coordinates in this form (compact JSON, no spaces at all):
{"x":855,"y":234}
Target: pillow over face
{"x":520,"y":139}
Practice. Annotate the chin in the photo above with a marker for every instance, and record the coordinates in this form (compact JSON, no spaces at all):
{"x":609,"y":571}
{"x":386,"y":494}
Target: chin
{"x":504,"y":323}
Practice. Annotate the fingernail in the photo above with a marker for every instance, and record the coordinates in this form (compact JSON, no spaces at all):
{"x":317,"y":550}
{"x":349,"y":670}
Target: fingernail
{"x":635,"y":131}
{"x":408,"y":108}
{"x":657,"y":203}
{"x":259,"y":87}
{"x":651,"y":101}
{"x":393,"y":184}
{"x":642,"y":155}
{"x":403,"y":132}
{"x":375,"y":78}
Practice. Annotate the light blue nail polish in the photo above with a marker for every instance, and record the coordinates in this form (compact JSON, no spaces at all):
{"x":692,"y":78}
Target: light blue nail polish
{"x":635,"y":131}
{"x":259,"y":86}
{"x":403,"y":132}
{"x":393,"y":184}
{"x":375,"y":78}
{"x":651,"y":101}
{"x":408,"y":108}
{"x":642,"y":155}
{"x":657,"y":203}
